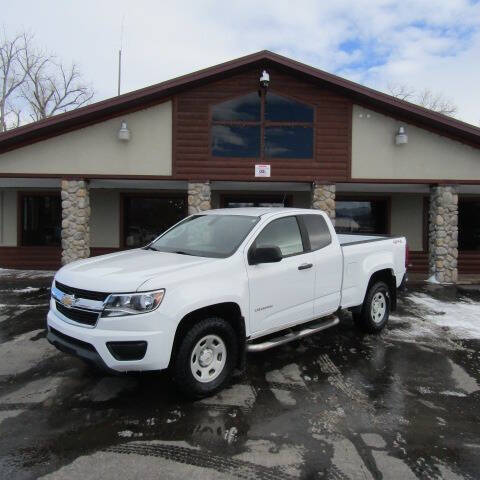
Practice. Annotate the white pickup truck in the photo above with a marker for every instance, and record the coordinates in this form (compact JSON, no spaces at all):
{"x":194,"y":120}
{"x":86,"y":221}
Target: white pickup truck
{"x":217,"y":285}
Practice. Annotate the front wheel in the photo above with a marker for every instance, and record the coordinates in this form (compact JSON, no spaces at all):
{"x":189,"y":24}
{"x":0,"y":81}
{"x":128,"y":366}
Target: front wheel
{"x":206,"y":358}
{"x":375,"y":309}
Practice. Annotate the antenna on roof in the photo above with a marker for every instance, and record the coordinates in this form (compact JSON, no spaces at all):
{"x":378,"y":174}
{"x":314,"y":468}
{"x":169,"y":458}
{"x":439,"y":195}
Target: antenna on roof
{"x":120,"y":55}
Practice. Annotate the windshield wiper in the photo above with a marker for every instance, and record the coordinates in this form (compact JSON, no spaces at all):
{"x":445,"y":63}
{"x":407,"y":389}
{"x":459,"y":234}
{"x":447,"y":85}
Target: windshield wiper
{"x":181,"y":252}
{"x":149,"y":247}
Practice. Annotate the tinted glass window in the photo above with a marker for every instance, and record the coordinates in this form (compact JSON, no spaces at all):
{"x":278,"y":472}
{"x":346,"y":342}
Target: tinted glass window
{"x":318,"y":231}
{"x":281,"y":109}
{"x":283,"y":233}
{"x":41,"y":220}
{"x":289,"y":142}
{"x":362,"y":216}
{"x":206,"y":235}
{"x":145,"y":218}
{"x":246,"y":108}
{"x":235,"y":141}
{"x":469,"y":225}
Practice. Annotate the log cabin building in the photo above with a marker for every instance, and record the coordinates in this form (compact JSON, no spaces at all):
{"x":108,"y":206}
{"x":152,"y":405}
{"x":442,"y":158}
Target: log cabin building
{"x":114,"y":174}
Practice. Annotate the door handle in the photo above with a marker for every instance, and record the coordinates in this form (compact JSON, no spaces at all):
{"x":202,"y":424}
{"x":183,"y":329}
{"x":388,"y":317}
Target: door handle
{"x":304,"y":266}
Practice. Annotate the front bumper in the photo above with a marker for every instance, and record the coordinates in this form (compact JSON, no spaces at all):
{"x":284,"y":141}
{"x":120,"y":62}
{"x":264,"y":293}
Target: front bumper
{"x":95,"y":345}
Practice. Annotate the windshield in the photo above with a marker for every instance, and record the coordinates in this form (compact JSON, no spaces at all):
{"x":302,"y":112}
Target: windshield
{"x":215,"y":236}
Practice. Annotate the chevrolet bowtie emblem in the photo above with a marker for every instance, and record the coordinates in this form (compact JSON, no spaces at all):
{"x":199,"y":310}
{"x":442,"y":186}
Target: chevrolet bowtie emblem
{"x":68,"y":300}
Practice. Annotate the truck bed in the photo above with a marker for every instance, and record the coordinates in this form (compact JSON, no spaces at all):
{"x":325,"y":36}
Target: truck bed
{"x":363,"y":254}
{"x":346,"y":239}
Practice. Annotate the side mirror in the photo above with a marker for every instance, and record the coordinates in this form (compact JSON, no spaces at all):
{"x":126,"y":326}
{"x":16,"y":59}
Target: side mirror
{"x":264,"y":255}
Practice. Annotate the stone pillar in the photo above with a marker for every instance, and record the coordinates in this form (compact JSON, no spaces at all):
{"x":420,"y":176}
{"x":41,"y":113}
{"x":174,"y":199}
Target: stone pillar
{"x":75,"y":220}
{"x":323,"y":198}
{"x":199,"y":197}
{"x":443,"y":233}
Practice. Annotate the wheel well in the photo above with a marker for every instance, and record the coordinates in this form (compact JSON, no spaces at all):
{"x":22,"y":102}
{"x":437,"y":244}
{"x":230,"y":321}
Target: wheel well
{"x":388,"y":277}
{"x":228,"y":311}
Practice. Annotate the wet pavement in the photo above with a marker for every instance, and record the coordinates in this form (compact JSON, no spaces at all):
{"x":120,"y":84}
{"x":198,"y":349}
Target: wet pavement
{"x":340,"y":405}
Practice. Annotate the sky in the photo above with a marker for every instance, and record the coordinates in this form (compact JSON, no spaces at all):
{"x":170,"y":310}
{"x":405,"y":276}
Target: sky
{"x":432,"y":44}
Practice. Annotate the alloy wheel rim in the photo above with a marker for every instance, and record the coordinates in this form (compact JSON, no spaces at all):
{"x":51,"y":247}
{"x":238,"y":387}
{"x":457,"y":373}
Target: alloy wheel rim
{"x":379,"y":307}
{"x":208,"y":358}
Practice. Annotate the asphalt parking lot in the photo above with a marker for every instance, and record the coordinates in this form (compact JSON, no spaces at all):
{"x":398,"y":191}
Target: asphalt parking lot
{"x":340,"y":405}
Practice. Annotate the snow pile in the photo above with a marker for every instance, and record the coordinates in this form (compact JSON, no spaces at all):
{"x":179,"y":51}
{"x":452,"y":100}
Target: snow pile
{"x":21,"y":290}
{"x":26,"y":273}
{"x":436,"y":318}
{"x":462,"y":318}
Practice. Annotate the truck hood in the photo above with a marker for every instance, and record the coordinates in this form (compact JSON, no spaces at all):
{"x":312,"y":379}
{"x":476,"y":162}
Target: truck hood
{"x":126,"y":271}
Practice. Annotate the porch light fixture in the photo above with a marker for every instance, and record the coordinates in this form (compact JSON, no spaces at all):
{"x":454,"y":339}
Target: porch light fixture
{"x":265,"y":80}
{"x":124,"y":132}
{"x":401,"y":138}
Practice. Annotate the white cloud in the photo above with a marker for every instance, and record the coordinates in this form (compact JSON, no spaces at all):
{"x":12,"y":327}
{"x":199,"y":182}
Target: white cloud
{"x":425,"y":43}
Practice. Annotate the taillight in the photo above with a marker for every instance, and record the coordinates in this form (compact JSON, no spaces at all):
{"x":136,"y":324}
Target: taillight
{"x":407,"y":256}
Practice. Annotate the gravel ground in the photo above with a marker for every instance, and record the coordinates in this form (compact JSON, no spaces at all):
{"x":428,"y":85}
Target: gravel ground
{"x":341,"y":405}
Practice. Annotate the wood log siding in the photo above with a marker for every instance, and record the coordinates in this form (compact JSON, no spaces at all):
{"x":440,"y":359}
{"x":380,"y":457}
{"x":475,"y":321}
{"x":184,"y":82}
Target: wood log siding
{"x":192,"y":136}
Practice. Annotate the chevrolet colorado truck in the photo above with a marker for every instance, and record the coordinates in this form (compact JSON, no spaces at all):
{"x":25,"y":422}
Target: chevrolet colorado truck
{"x":217,"y":285}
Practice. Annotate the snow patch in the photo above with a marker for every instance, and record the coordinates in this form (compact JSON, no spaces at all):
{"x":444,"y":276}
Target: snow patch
{"x":437,"y":318}
{"x":26,"y":273}
{"x":21,"y":290}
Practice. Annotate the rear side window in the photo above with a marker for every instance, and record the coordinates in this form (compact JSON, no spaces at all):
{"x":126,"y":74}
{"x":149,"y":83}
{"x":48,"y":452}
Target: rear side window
{"x":317,"y":230}
{"x":283,"y":233}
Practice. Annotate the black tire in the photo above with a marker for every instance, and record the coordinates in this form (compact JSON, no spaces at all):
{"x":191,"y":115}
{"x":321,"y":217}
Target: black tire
{"x":370,"y":319}
{"x":181,"y":369}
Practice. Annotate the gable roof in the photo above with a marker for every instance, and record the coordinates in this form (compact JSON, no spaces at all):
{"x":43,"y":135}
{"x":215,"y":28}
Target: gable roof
{"x":154,"y":94}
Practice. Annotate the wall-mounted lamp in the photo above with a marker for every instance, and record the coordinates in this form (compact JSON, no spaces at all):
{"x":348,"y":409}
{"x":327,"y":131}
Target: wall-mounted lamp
{"x":265,"y":80}
{"x":401,"y":138}
{"x":124,"y":132}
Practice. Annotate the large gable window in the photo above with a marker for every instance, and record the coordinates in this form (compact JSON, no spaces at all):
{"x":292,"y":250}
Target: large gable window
{"x":262,"y":126}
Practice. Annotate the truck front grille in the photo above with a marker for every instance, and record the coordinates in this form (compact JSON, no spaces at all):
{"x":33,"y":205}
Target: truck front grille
{"x":79,"y":293}
{"x":79,"y":316}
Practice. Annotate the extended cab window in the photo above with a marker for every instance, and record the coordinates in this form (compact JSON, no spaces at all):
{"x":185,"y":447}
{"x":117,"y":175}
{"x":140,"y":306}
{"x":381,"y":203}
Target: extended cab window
{"x":283,"y":233}
{"x":317,"y":230}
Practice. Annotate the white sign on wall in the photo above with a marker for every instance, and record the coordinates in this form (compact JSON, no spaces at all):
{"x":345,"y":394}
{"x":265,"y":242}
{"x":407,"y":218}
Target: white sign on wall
{"x":262,"y":170}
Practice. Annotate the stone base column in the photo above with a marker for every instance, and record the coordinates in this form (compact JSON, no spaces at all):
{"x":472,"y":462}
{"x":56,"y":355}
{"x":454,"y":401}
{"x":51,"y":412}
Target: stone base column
{"x":75,"y":220}
{"x":199,"y":197}
{"x":323,"y":198}
{"x":443,"y":233}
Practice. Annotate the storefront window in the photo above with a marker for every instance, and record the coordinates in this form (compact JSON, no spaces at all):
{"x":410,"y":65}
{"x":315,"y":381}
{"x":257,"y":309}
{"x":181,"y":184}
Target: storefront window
{"x":469,"y":224}
{"x":41,"y":220}
{"x":286,"y":128}
{"x":361,"y":216}
{"x":146,"y":217}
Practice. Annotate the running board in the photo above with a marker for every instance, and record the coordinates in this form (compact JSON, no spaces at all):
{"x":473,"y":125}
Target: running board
{"x":292,"y":335}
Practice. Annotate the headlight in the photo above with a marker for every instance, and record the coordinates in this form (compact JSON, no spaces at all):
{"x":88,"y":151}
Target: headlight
{"x":122,"y":304}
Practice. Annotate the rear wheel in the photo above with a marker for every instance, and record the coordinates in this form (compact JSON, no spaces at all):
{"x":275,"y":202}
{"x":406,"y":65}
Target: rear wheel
{"x":206,"y":357}
{"x":375,"y":309}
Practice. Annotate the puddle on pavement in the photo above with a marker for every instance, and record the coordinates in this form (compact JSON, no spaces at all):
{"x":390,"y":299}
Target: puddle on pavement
{"x":333,"y":404}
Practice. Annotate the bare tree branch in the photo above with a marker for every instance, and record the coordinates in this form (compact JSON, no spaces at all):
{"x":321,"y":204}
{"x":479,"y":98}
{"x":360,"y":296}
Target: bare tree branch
{"x":53,"y":89}
{"x":403,"y":92}
{"x":425,"y":98}
{"x":13,"y":73}
{"x":35,"y":85}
